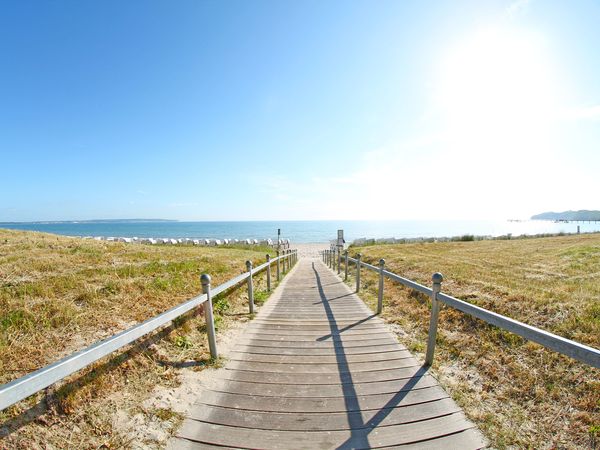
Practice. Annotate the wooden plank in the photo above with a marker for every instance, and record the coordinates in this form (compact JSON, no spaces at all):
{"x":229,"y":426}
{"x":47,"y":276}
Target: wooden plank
{"x":324,"y":327}
{"x":320,"y":390}
{"x":467,"y":439}
{"x":366,"y":438}
{"x":323,"y":378}
{"x":323,"y":422}
{"x":318,"y":351}
{"x":321,"y":368}
{"x":316,"y":334}
{"x":282,"y":343}
{"x":321,"y":405}
{"x":339,"y":358}
{"x":315,"y":337}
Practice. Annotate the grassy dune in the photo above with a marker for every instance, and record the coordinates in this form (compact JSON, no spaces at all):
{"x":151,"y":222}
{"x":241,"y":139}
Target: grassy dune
{"x":58,"y":295}
{"x":518,"y":393}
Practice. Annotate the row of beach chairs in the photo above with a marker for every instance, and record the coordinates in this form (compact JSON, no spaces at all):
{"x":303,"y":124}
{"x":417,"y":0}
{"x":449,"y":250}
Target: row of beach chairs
{"x":187,"y":241}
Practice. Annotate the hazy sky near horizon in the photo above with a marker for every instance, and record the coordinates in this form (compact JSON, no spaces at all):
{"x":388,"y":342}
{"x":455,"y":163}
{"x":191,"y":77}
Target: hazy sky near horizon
{"x":235,"y":110}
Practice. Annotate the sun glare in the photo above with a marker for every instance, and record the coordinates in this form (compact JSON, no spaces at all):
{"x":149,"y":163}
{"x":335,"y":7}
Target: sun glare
{"x":497,"y":84}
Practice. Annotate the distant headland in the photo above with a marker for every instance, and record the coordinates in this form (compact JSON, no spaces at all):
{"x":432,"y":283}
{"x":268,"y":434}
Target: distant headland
{"x":581,"y":215}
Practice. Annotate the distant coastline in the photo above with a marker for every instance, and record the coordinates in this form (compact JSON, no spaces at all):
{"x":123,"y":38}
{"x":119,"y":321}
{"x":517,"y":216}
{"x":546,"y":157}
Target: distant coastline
{"x":581,"y":215}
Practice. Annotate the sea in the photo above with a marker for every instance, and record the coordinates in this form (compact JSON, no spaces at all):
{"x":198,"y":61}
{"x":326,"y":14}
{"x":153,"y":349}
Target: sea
{"x":311,"y":231}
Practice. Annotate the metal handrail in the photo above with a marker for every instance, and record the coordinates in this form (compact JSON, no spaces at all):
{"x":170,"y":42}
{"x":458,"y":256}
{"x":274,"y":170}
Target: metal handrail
{"x":573,"y":349}
{"x":23,"y":387}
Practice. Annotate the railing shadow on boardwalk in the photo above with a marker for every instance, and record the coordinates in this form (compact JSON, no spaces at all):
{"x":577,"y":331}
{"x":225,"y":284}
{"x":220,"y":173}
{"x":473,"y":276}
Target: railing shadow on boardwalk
{"x":359,"y":437}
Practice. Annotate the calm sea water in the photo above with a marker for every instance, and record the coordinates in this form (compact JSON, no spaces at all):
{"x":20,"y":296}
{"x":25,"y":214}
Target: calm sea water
{"x":304,"y":231}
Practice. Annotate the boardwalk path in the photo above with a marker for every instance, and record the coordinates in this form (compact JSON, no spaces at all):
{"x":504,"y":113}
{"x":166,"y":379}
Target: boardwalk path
{"x":316,"y":369}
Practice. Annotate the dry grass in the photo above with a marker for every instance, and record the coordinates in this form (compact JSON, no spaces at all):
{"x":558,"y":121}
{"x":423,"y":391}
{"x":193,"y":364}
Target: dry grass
{"x":517,"y":392}
{"x":58,"y":295}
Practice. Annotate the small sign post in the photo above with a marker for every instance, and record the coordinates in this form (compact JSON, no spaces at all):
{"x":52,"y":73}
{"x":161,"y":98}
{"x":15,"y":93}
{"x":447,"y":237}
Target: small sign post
{"x":340,"y":238}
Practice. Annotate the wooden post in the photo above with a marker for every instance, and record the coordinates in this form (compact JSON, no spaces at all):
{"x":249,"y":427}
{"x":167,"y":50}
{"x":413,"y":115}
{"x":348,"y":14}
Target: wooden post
{"x":268,"y":273}
{"x":358,"y":272}
{"x":339,"y":260}
{"x":250,"y":287}
{"x":380,"y":291}
{"x":208,"y":316}
{"x":346,"y":266}
{"x":437,"y":279}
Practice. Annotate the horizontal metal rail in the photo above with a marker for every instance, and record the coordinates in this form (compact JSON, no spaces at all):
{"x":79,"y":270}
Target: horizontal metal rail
{"x":392,"y":276}
{"x":575,"y":350}
{"x":21,"y":388}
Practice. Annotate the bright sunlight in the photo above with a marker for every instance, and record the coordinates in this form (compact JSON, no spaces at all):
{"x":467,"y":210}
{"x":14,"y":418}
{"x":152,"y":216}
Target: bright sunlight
{"x":498,"y":84}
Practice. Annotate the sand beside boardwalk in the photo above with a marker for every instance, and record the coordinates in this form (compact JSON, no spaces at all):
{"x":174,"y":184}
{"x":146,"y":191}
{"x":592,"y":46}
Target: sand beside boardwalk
{"x":309,"y":250}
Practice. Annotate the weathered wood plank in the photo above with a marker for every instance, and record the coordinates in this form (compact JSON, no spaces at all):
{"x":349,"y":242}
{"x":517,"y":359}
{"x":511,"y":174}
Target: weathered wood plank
{"x":318,"y":351}
{"x":322,"y":405}
{"x":321,"y":368}
{"x":468,"y":439}
{"x":325,"y":327}
{"x":323,"y":422}
{"x":350,"y":388}
{"x":315,"y":334}
{"x":325,"y":378}
{"x":315,"y":337}
{"x":361,"y":438}
{"x":340,"y":358}
{"x":328,"y":343}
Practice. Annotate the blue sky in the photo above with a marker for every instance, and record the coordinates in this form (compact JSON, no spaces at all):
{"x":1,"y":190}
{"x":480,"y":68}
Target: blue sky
{"x":210,"y":110}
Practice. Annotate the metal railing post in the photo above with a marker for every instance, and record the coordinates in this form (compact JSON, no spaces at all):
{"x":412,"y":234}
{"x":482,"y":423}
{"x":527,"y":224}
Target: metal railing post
{"x":208,"y":316}
{"x":333,"y":259}
{"x":268,"y":273}
{"x":346,"y":266}
{"x":437,"y":279}
{"x":358,"y":272}
{"x":339,"y":260}
{"x":380,"y":291}
{"x":250,"y":287}
{"x":278,"y":267}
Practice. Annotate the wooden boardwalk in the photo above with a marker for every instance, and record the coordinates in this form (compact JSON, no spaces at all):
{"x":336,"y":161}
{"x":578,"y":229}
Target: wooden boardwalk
{"x":317,"y":370}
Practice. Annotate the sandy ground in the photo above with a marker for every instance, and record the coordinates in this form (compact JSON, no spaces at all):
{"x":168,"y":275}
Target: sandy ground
{"x":309,"y":250}
{"x":145,"y":433}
